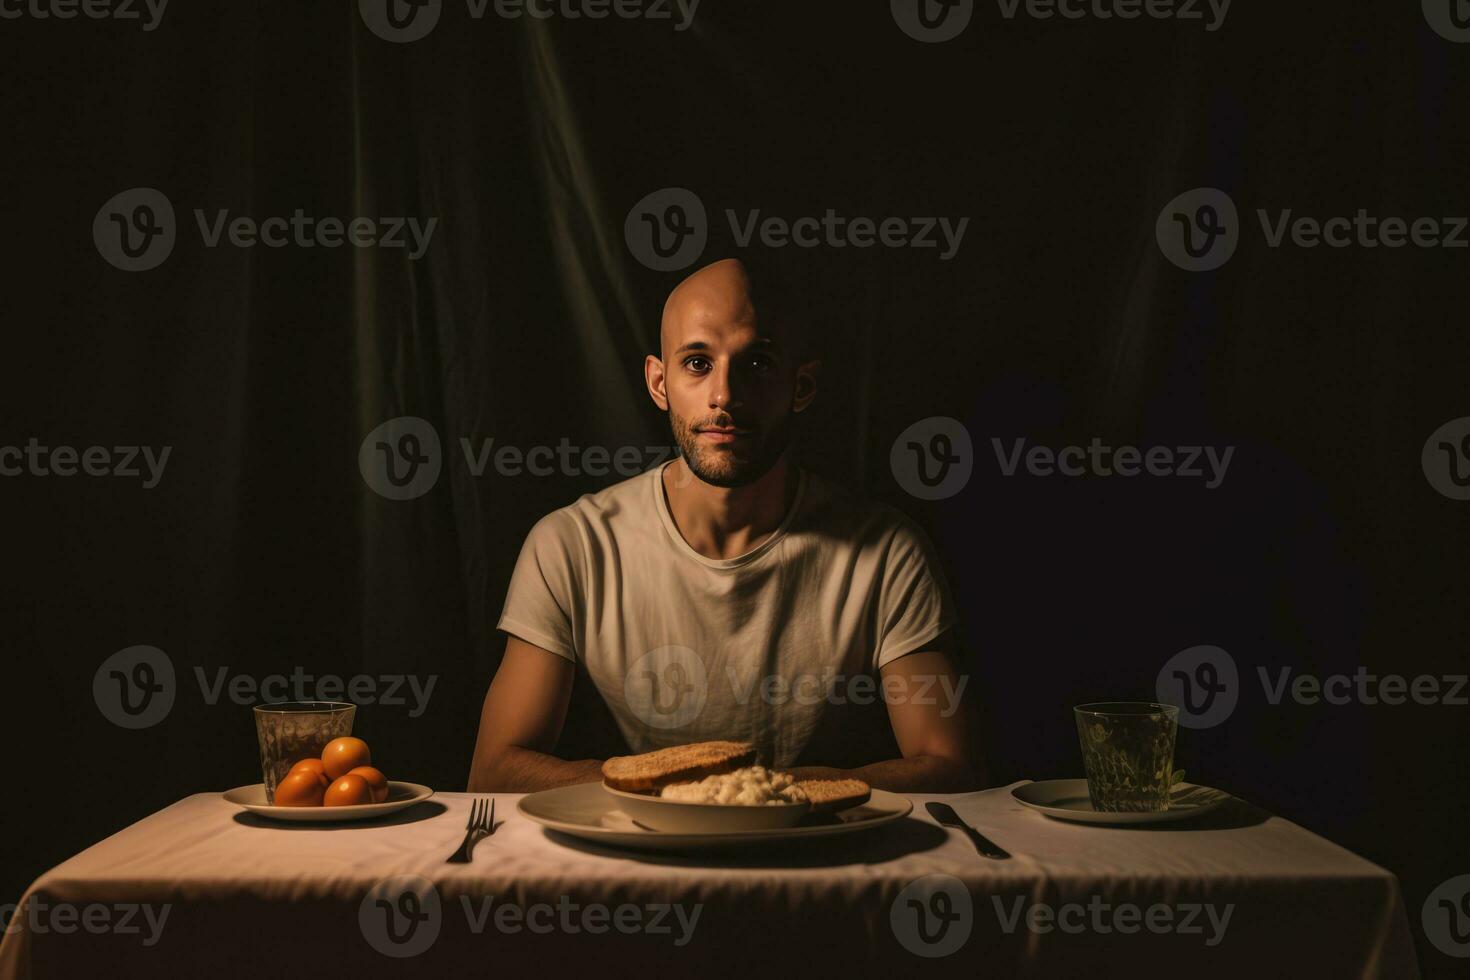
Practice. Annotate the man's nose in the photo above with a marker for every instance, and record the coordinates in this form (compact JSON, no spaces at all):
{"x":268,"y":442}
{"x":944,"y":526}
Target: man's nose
{"x":725,"y":387}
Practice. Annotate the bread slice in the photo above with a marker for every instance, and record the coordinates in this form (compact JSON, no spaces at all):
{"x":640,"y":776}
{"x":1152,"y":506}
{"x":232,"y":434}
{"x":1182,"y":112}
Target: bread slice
{"x":678,"y":764}
{"x":828,"y":795}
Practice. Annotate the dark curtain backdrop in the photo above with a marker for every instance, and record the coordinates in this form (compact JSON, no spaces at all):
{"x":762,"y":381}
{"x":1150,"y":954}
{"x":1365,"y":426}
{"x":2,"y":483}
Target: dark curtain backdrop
{"x":262,"y":549}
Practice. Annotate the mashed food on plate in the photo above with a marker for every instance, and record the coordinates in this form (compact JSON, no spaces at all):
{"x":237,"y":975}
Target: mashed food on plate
{"x":750,"y":786}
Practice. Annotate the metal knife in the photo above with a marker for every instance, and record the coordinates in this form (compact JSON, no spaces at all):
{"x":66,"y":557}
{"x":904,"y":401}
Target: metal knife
{"x":945,"y":814}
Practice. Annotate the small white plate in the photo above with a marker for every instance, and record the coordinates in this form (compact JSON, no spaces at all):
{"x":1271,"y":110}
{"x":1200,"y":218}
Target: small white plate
{"x":1067,"y":799}
{"x":680,"y":817}
{"x":588,"y":811}
{"x":400,"y":795}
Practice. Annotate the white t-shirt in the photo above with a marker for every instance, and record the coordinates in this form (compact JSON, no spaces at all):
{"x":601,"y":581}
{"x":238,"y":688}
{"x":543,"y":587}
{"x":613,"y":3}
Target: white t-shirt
{"x":780,"y":646}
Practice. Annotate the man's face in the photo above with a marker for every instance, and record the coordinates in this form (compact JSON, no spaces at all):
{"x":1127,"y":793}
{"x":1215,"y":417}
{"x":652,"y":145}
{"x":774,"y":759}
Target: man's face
{"x":730,"y":387}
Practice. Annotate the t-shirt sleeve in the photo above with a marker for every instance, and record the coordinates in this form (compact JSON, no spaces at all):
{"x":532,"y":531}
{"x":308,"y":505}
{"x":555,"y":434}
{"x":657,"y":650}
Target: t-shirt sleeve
{"x":543,"y":602}
{"x":915,"y":604}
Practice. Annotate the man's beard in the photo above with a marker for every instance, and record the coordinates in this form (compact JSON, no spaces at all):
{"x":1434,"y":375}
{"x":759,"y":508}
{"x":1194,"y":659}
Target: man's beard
{"x":734,"y":464}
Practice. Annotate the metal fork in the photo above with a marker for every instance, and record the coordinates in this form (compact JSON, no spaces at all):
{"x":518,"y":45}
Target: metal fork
{"x":482,"y":821}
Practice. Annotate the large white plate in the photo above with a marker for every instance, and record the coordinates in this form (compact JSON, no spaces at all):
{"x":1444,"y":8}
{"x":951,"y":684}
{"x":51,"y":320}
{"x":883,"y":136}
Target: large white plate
{"x":1067,"y":799}
{"x":586,"y":810}
{"x":400,"y":795}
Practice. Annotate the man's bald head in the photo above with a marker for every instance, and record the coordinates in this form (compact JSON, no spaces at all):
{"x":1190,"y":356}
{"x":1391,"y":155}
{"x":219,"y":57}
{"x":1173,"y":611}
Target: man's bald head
{"x":731,"y":292}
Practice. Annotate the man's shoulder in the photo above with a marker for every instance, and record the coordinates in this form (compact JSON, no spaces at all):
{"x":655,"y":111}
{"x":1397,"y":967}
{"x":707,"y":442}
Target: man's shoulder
{"x":628,"y":501}
{"x":840,"y":510}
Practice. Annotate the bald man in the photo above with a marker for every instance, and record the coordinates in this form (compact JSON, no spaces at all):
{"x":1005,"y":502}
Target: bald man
{"x":729,"y":594}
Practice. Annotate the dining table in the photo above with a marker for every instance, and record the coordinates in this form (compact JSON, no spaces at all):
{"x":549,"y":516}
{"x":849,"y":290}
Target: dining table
{"x":203,"y":888}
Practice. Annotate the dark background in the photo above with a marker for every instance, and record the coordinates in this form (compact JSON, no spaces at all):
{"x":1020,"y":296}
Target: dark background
{"x":1059,"y":320}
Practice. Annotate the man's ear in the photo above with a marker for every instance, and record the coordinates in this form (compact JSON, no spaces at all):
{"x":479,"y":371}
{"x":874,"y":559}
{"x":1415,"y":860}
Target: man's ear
{"x":653,"y":376}
{"x":806,"y":385}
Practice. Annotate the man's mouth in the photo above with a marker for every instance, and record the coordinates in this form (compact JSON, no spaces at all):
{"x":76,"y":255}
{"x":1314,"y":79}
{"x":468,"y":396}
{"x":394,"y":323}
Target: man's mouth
{"x":722,"y":433}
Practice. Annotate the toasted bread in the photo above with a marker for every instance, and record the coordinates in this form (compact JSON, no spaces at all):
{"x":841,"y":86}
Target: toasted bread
{"x":828,"y":795}
{"x":680,"y":763}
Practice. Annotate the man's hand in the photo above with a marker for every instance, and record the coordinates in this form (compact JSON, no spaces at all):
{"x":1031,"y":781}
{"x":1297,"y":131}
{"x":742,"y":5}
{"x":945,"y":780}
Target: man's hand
{"x":520,"y":722}
{"x":935,"y":728}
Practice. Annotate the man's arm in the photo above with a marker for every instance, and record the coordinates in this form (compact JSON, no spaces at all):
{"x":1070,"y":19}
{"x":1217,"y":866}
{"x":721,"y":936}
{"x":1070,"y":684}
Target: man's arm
{"x":520,"y":722}
{"x":935,"y":727}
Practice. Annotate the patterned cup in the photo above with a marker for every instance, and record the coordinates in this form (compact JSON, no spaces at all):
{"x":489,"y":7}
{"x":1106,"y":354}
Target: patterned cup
{"x":1128,"y":751}
{"x":294,"y":730}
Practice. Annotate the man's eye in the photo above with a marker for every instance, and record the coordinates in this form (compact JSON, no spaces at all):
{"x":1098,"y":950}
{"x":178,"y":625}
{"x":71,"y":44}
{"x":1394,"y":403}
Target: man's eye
{"x":697,"y":364}
{"x":762,"y":363}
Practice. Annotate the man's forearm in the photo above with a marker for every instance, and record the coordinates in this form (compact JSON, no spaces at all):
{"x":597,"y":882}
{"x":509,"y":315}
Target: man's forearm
{"x":517,"y":770}
{"x":918,"y":774}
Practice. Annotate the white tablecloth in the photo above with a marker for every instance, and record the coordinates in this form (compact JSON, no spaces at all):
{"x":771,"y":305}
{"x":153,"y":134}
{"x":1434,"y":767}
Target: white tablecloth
{"x":203,"y":889}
